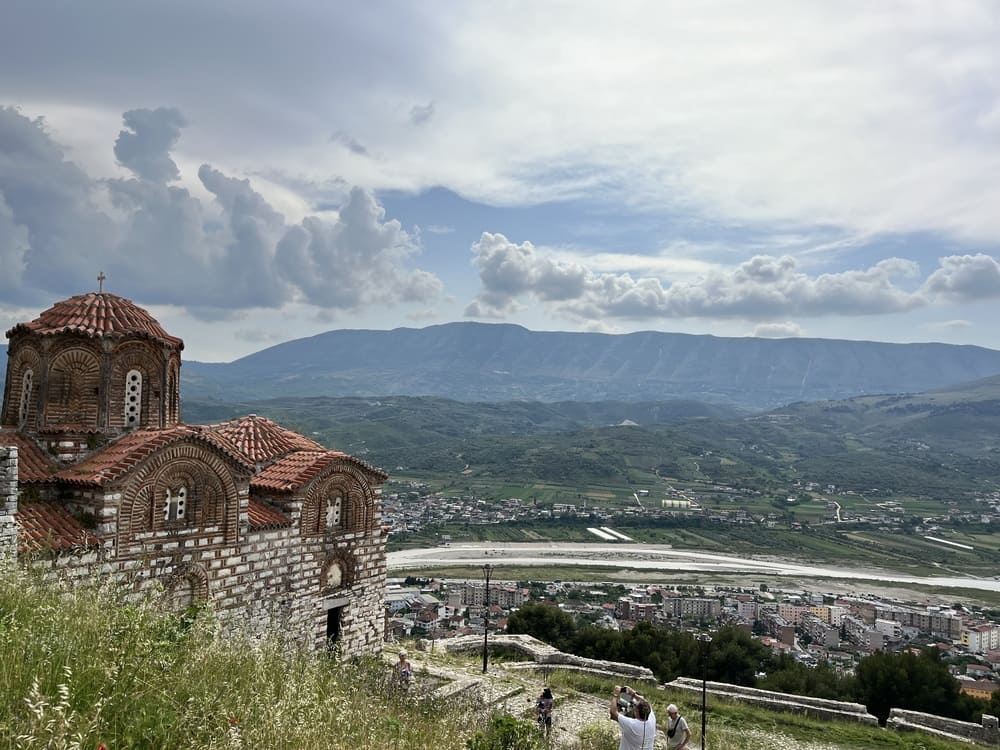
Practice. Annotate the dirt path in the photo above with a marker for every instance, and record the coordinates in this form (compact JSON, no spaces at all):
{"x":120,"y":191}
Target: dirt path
{"x":515,"y":690}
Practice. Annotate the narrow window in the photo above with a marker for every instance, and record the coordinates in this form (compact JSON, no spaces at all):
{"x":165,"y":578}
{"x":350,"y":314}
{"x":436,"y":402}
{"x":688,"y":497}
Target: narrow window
{"x":174,"y":504}
{"x":133,"y":398}
{"x":26,"y":382}
{"x":333,"y":512}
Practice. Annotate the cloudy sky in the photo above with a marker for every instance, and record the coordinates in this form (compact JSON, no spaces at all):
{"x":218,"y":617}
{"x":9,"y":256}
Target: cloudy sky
{"x":253,"y":172}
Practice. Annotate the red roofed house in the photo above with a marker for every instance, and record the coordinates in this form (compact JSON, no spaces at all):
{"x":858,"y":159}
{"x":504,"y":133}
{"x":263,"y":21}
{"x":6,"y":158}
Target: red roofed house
{"x":97,"y":468}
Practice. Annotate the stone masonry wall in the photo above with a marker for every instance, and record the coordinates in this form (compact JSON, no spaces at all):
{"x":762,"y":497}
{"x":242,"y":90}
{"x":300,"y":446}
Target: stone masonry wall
{"x":8,"y":501}
{"x":816,"y":707}
{"x":270,"y":580}
{"x":986,"y":733}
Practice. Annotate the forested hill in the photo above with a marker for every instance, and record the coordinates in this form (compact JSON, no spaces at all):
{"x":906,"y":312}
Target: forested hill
{"x":499,"y":362}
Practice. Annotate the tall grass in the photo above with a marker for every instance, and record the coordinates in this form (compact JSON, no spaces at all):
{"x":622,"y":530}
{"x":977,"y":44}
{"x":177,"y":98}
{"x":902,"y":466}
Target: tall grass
{"x":84,"y":667}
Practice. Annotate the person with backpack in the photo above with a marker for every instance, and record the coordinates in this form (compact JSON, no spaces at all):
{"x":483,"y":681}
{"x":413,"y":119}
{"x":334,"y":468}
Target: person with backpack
{"x":543,"y":709}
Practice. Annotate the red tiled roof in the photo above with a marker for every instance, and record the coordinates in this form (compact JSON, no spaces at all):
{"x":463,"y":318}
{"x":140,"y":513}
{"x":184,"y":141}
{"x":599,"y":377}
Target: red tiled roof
{"x":289,"y":473}
{"x":121,"y":456}
{"x":260,"y":440}
{"x":33,"y":465}
{"x":42,"y":526}
{"x":263,"y":516}
{"x":98,"y":315}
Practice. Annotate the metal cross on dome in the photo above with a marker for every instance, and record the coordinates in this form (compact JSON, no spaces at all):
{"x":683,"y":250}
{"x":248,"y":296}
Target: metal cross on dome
{"x":100,"y":281}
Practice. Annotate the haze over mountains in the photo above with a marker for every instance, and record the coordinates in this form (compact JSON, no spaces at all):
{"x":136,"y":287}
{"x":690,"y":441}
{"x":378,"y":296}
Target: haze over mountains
{"x":501,"y":362}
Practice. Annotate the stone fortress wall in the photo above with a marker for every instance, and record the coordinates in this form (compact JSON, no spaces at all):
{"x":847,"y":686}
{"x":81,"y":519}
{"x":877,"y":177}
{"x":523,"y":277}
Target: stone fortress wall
{"x":986,"y":733}
{"x":818,"y":708}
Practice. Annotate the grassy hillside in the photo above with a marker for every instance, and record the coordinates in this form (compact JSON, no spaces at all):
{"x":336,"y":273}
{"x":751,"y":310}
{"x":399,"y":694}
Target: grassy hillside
{"x":83,"y":669}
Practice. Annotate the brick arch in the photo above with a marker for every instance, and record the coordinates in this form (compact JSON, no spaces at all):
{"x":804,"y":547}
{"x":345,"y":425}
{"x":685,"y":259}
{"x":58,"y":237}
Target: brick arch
{"x":214,"y":498}
{"x":73,"y":387}
{"x":26,"y":358}
{"x":173,"y":391}
{"x":340,"y":564}
{"x":186,"y":584}
{"x":357,"y":506}
{"x":147,"y":358}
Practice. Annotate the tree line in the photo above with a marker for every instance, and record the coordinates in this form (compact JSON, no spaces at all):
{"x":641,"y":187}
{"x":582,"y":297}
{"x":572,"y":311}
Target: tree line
{"x":917,"y":680}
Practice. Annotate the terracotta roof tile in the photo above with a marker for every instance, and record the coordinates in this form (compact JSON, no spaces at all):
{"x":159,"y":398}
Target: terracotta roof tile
{"x":98,"y":315}
{"x":119,"y":457}
{"x":43,"y":526}
{"x":33,"y":464}
{"x":263,"y":516}
{"x":296,"y":469}
{"x":291,"y":472}
{"x":261,"y":440}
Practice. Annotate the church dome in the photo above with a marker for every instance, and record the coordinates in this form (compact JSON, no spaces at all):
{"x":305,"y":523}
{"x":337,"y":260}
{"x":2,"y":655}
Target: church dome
{"x":97,"y":315}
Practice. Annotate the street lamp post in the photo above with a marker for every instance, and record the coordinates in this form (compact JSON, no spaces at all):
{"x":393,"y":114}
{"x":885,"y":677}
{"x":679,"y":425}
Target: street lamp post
{"x":706,"y":639}
{"x":487,"y":569}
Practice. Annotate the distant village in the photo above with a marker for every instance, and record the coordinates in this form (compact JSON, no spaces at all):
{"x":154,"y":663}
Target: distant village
{"x":411,"y":508}
{"x":810,"y":627}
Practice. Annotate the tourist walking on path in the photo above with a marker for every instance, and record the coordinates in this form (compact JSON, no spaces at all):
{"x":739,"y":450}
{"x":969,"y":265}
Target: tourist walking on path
{"x":678,"y":734}
{"x":543,"y":709}
{"x":404,"y":670}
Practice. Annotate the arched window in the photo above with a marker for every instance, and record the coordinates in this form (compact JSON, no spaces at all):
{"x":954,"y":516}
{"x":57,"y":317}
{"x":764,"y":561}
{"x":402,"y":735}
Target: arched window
{"x":133,"y":398}
{"x":27,"y":380}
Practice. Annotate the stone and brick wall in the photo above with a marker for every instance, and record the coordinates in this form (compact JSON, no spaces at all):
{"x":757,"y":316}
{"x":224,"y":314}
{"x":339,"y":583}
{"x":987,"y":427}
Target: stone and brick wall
{"x":270,"y":581}
{"x":8,"y":501}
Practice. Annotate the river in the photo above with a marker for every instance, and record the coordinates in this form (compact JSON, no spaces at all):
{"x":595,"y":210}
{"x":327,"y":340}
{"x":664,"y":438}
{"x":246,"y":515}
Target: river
{"x":655,"y":557}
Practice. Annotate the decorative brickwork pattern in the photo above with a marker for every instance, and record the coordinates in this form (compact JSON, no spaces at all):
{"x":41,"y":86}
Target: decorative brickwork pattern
{"x":26,"y":360}
{"x":212,"y":495}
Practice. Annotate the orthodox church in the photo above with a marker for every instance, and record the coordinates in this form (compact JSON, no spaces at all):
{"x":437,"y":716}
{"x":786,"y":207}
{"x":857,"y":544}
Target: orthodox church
{"x":98,"y":472}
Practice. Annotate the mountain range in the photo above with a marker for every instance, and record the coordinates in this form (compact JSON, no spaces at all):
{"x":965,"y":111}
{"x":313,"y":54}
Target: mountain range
{"x":502,"y":362}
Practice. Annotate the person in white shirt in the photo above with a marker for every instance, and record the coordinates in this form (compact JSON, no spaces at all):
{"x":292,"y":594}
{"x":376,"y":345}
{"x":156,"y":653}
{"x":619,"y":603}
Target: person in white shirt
{"x":635,"y":718}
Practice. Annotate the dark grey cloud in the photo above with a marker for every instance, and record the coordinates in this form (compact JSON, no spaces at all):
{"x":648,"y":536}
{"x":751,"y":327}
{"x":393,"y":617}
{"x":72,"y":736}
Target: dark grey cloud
{"x":145,"y":147}
{"x":14,"y":248}
{"x":161,"y":244}
{"x":420,"y":114}
{"x":49,"y":202}
{"x":349,"y":142}
{"x":762,"y":288}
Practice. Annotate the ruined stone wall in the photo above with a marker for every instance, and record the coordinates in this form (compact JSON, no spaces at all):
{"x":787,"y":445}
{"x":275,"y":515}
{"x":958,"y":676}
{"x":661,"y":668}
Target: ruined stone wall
{"x":986,"y":733}
{"x":545,"y":655}
{"x":8,"y":501}
{"x":820,"y":708}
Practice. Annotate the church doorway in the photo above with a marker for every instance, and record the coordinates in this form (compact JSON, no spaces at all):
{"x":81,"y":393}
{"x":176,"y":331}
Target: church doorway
{"x":333,"y":616}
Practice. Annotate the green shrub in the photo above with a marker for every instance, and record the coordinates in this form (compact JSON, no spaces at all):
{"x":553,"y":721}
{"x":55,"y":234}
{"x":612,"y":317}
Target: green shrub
{"x":507,"y":733}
